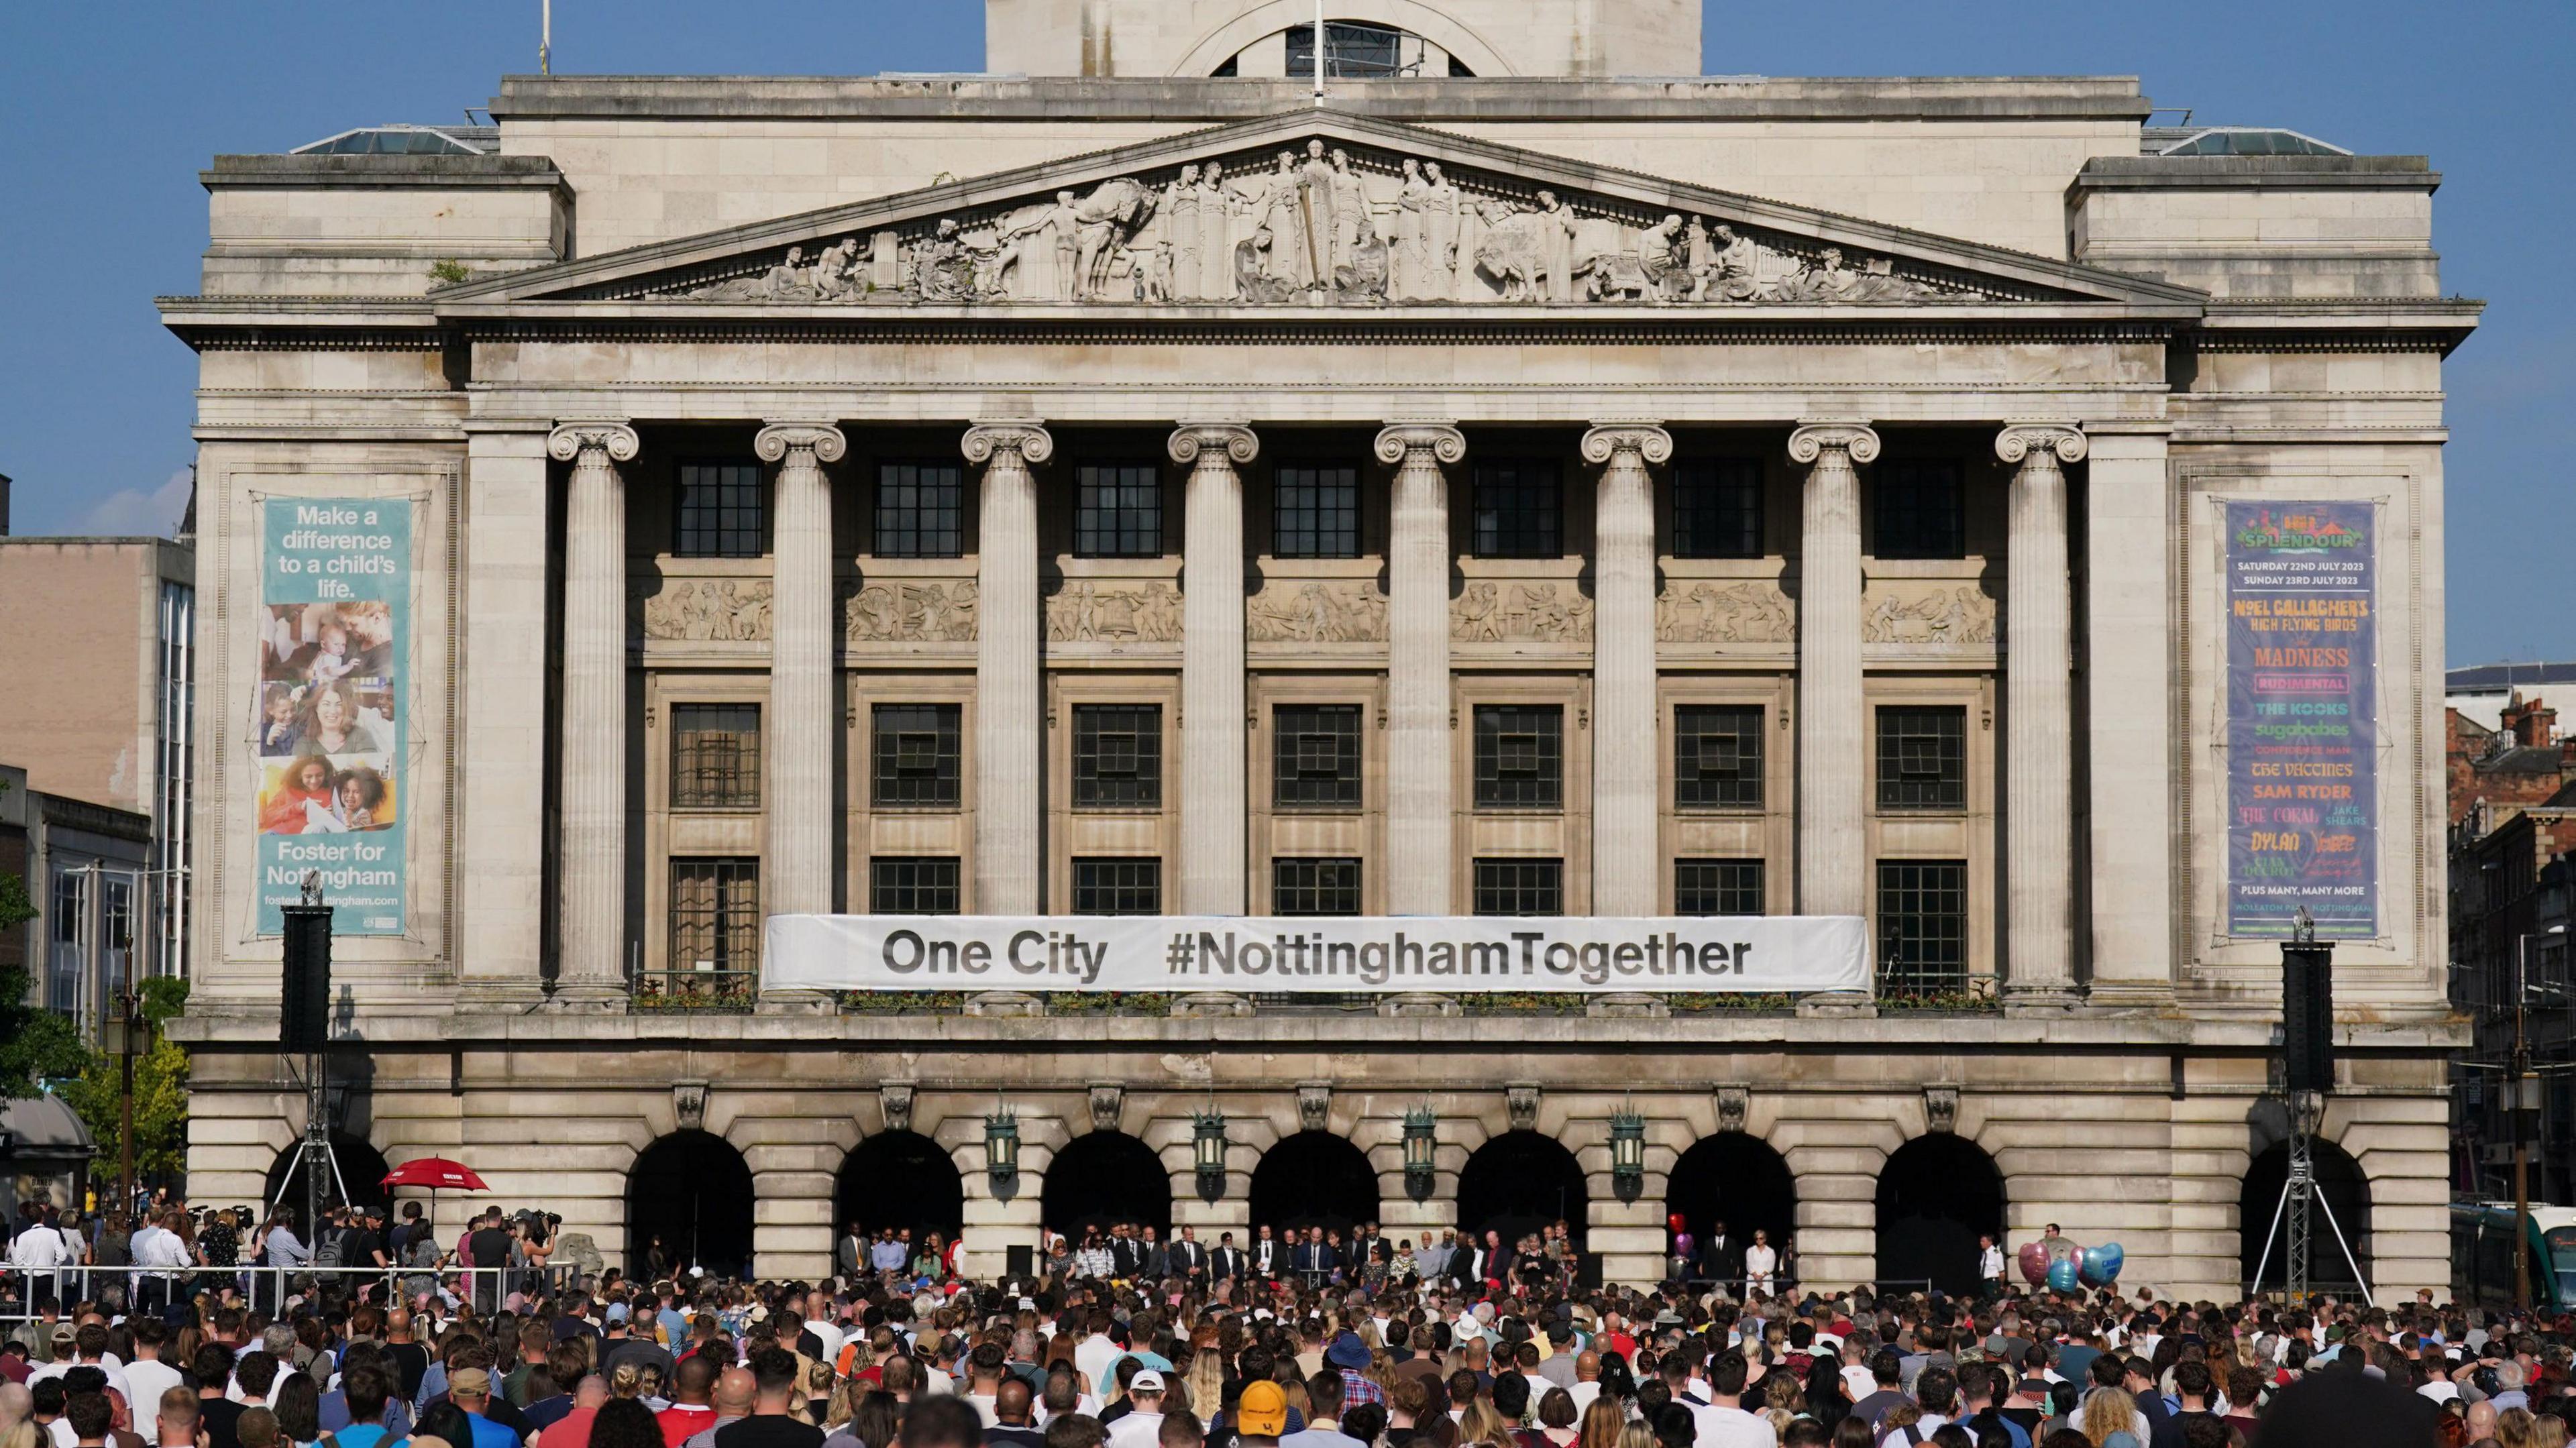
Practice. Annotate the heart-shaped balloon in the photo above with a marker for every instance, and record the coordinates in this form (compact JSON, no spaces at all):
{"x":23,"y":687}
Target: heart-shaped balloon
{"x":2062,"y":1276}
{"x":2102,"y":1264}
{"x":1673,"y":1223}
{"x":2034,"y":1263}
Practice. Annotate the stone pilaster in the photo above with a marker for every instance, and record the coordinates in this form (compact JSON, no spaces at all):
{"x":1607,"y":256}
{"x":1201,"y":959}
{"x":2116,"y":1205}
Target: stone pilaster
{"x":1833,"y":757}
{"x":590,"y":874}
{"x":1417,"y":685}
{"x":804,"y":725}
{"x":2128,"y":739}
{"x":1212,"y":738}
{"x":1625,"y":768}
{"x":1009,"y":708}
{"x":501,"y":741}
{"x":2039,"y":784}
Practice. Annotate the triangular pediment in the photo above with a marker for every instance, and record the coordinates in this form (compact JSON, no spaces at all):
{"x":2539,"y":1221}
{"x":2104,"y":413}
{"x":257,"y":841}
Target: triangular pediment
{"x":1321,"y":210}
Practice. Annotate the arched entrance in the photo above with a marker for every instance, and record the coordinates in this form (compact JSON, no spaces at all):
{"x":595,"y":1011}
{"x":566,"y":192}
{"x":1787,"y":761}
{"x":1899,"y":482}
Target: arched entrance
{"x":1935,"y":1195}
{"x":1517,"y":1183}
{"x":1735,"y":1178}
{"x":2341,"y":1190}
{"x":361,"y":1170}
{"x":903,"y":1180}
{"x":1102,"y":1179}
{"x":688,"y":1199}
{"x":1314,"y":1179}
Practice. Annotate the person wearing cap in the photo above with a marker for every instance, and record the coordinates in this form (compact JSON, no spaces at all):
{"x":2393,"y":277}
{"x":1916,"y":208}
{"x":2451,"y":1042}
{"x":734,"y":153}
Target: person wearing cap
{"x":618,"y":1344}
{"x":1260,"y":1414}
{"x":470,"y":1389}
{"x":1144,"y":1416}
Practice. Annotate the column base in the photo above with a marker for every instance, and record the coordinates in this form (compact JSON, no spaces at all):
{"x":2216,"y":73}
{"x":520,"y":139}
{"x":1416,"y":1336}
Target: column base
{"x":793,"y":1003}
{"x":587,"y":996}
{"x":1419,"y":1003}
{"x":2042,"y":1001}
{"x":1005,"y":1003}
{"x":1627,"y":1006}
{"x":512,"y":996}
{"x":1211,"y":1003}
{"x":2126,"y":996}
{"x":1837,"y":1005}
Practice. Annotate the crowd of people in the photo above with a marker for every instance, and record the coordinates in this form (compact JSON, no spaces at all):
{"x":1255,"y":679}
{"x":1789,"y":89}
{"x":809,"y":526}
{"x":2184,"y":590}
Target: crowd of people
{"x":901,"y":1351}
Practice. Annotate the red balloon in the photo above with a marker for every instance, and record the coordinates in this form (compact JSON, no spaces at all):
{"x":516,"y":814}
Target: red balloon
{"x":1674,"y":1223}
{"x":2034,"y":1263}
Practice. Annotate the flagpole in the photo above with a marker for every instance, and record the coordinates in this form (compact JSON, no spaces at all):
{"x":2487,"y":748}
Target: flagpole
{"x":546,"y":37}
{"x":1319,"y":51}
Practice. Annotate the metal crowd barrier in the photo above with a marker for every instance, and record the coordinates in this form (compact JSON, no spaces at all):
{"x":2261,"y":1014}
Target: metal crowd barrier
{"x":27,"y":1295}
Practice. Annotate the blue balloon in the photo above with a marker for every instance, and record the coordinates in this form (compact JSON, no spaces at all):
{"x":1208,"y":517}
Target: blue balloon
{"x":2102,"y":1264}
{"x":2062,"y":1276}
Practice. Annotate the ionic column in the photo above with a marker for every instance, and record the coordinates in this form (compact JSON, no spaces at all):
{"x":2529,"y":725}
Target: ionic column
{"x":2039,"y":725}
{"x":2128,"y":649}
{"x":590,"y":874}
{"x":1624,"y":715}
{"x":804,"y":722}
{"x":1833,"y":758}
{"x":1417,"y":666}
{"x":1212,"y":765}
{"x":1009,"y":711}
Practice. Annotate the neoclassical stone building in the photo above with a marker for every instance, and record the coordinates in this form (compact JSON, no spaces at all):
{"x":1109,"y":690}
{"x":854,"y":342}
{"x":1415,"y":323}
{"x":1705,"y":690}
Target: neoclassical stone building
{"x":1499,"y":486}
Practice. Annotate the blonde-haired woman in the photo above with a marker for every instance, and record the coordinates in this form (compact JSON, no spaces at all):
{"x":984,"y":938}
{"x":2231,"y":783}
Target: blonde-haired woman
{"x":2108,"y":1417}
{"x":1603,"y":1426}
{"x":1205,"y":1382}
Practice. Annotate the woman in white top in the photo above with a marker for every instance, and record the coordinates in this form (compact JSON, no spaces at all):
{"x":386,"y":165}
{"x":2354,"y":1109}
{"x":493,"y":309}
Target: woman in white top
{"x":1760,"y":1261}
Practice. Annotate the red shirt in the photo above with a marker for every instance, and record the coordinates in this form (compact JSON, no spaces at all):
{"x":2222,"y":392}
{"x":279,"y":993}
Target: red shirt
{"x":570,"y":1431}
{"x":680,"y":1422}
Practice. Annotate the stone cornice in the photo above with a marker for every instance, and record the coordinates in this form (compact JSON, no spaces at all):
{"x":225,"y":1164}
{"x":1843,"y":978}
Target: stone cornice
{"x":445,"y":173}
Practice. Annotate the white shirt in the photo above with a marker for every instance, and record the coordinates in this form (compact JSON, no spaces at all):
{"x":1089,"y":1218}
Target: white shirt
{"x":38,"y":1250}
{"x":1732,"y":1428}
{"x":165,"y":1249}
{"x":1136,"y":1430}
{"x":1990,"y":1264}
{"x":1759,"y":1262}
{"x":115,"y":1376}
{"x":1096,"y":1355}
{"x":150,"y":1378}
{"x":1583,"y":1393}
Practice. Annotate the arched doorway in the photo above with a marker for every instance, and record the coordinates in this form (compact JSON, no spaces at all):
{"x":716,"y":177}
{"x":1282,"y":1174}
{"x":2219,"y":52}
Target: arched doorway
{"x":688,"y":1197}
{"x":1517,"y":1183}
{"x":1735,"y":1178}
{"x":1314,"y":1179}
{"x":360,"y":1169}
{"x":1102,"y":1179}
{"x":2341,"y":1190}
{"x":1935,"y":1195}
{"x":903,"y":1180}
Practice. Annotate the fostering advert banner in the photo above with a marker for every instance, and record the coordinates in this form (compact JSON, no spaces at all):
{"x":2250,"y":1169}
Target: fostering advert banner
{"x":327,"y":721}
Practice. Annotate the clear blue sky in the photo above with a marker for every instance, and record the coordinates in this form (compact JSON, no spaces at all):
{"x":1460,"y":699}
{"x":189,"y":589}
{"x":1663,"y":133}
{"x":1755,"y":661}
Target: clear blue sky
{"x":112,"y":109}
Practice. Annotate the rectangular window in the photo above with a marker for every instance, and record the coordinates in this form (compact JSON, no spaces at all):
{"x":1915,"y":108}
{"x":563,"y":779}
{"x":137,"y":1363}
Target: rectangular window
{"x":1520,"y":887}
{"x":1923,"y":757}
{"x":1314,"y":887}
{"x":1717,"y":756}
{"x":1315,"y":513}
{"x":1520,"y":756}
{"x":1518,"y":510}
{"x":921,"y":511}
{"x":715,"y":756}
{"x":1315,"y":756}
{"x":1922,"y":926}
{"x":1117,"y":757}
{"x":1717,"y":887}
{"x":715,"y":917}
{"x":1717,"y":509}
{"x":1118,"y":887}
{"x":913,"y":885}
{"x":723,"y":511}
{"x":1920,"y":510}
{"x":916,"y":753}
{"x":1117,"y":512}
{"x":65,"y":962}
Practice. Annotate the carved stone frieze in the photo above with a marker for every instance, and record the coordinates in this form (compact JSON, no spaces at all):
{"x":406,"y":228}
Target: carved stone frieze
{"x":1544,"y":611}
{"x":1941,"y":1109}
{"x":706,"y":610}
{"x":912,"y":611}
{"x":1702,"y":611}
{"x":1931,"y":614}
{"x":1520,"y":1105}
{"x":1108,"y":1099}
{"x":689,"y":1105}
{"x":896,"y":1100}
{"x":1734,"y":1103}
{"x":1314,"y":1105}
{"x":1316,"y":611}
{"x":1121,"y":611}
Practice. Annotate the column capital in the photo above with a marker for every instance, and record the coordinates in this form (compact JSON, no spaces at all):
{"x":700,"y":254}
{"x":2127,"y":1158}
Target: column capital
{"x":2065,"y":439}
{"x":1233,"y":439}
{"x":776,"y":440}
{"x":570,"y":440}
{"x":1024,"y":436}
{"x":1647,"y":440}
{"x":1847,"y":435}
{"x":1441,"y":440}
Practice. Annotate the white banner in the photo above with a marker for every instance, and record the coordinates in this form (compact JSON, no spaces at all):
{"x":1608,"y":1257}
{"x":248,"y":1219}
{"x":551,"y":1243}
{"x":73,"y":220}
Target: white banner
{"x":1315,"y":955}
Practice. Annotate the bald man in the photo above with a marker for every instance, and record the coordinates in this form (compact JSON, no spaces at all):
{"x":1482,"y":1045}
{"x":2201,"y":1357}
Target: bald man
{"x":1012,"y":1425}
{"x":573,"y":1429}
{"x":735,"y":1390}
{"x":1587,"y":1380}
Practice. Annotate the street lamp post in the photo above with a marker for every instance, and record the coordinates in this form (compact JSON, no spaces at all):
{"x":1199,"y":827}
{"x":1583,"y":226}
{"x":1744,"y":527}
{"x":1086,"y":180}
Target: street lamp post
{"x":119,"y":1032}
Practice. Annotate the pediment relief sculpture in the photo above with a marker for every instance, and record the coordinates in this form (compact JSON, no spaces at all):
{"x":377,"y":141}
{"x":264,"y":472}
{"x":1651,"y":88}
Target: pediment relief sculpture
{"x":706,"y":610}
{"x":1952,"y":616}
{"x":909,"y":611}
{"x":1537,"y":612}
{"x":1316,"y":611}
{"x":1704,"y":612}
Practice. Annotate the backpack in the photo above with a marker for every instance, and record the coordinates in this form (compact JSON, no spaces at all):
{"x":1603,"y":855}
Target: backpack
{"x":331,"y":1250}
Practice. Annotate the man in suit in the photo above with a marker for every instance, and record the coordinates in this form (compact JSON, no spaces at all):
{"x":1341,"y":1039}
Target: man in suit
{"x":1723,"y":1256}
{"x":1226,"y":1263}
{"x":1126,"y":1254}
{"x":1266,"y":1260}
{"x":1489,"y":1262}
{"x":852,"y":1253}
{"x":1185,"y":1257}
{"x":1153,"y":1261}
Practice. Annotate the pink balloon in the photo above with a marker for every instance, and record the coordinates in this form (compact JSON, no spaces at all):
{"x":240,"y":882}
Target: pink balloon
{"x":2034,"y":1263}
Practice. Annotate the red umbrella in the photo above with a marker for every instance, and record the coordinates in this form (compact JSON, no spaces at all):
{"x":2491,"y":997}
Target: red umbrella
{"x":435,"y":1173}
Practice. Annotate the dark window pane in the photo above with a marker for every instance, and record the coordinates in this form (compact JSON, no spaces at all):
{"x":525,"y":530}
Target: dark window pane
{"x":1517,"y":510}
{"x":1315,"y":756}
{"x":1923,"y":757}
{"x":1520,"y":887}
{"x":1922,"y":926}
{"x":715,"y":917}
{"x":715,"y":756}
{"x":1717,"y":509}
{"x":1520,"y":756}
{"x":1349,"y":49}
{"x":1117,"y":512}
{"x":1920,"y":511}
{"x":1118,"y":887}
{"x":1717,"y":887}
{"x":1315,"y":513}
{"x":916,"y":755}
{"x":1117,"y":756}
{"x":1314,"y":887}
{"x":1717,"y":756}
{"x":913,"y":885}
{"x":920,"y":511}
{"x":723,"y":511}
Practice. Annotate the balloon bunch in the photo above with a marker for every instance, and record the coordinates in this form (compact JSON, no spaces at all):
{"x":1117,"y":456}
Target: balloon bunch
{"x":2087,"y":1267}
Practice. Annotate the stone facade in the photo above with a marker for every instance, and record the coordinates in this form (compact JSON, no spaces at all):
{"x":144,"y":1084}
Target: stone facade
{"x":1207,"y":290}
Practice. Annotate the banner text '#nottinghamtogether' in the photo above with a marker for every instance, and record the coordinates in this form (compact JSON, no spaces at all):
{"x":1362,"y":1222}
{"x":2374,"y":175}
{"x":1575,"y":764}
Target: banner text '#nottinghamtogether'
{"x":1373,"y":962}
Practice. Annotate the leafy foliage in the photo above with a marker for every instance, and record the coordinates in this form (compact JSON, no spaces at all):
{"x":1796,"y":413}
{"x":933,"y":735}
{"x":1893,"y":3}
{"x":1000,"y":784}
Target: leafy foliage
{"x":160,"y":1093}
{"x":35,"y":1043}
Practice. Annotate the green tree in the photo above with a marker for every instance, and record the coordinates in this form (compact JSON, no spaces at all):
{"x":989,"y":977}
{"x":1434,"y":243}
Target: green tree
{"x":160,"y":1093}
{"x":35,"y":1044}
